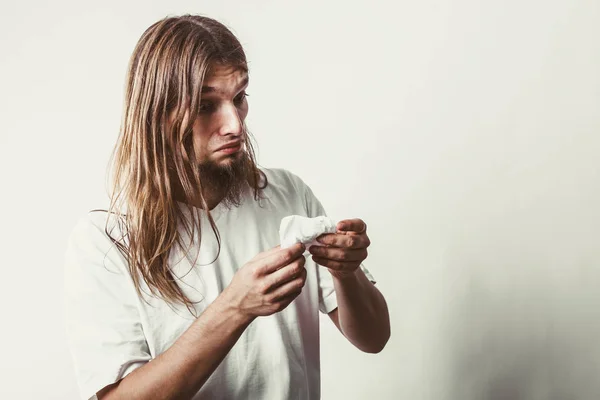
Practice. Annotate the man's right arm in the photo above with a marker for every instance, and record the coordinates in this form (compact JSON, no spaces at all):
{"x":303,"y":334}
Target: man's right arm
{"x":181,"y":370}
{"x":265,"y":285}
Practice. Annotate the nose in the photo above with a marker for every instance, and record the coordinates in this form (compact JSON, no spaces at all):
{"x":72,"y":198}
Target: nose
{"x":230,"y":122}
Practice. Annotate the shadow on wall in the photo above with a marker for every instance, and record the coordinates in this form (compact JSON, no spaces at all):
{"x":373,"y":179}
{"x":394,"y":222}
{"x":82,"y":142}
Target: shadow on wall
{"x":523,"y":322}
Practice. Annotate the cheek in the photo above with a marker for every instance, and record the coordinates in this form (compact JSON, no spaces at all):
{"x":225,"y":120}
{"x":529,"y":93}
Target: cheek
{"x":201,"y":138}
{"x":243,"y":111}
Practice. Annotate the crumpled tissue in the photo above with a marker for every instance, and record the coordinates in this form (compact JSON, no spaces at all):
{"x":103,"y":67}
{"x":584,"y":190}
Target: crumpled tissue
{"x":296,"y":228}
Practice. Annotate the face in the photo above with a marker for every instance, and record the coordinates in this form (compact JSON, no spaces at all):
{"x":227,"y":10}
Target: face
{"x":219,"y":131}
{"x":219,"y":135}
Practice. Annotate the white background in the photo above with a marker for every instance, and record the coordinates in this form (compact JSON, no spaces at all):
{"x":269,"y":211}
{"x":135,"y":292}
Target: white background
{"x":465,"y":133}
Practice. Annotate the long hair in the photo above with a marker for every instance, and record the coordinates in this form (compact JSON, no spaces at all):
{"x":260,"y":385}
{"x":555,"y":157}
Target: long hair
{"x":154,"y":154}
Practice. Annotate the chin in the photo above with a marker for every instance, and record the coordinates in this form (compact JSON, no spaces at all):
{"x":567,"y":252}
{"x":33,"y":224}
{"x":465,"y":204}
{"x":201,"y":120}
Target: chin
{"x":225,"y":160}
{"x":228,"y":160}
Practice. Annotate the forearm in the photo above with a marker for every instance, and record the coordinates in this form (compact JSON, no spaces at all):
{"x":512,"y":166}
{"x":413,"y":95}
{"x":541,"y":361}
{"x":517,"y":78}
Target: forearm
{"x":180,"y":372}
{"x":363,"y":315}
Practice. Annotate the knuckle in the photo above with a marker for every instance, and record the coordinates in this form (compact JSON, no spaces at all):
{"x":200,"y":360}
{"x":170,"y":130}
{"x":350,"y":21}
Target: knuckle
{"x":272,"y":309}
{"x":289,"y":254}
{"x":273,"y":282}
{"x":295,"y":268}
{"x":291,"y":270}
{"x":283,"y":258}
{"x":269,"y":300}
{"x":255,"y":271}
{"x":263,"y":287}
{"x":302,"y":261}
{"x":351,"y":241}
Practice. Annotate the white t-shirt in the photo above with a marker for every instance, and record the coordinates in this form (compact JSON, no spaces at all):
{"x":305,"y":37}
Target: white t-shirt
{"x":111,"y":331}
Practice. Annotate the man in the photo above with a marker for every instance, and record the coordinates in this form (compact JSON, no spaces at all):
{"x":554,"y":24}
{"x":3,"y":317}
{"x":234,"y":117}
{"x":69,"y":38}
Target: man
{"x":180,"y":290}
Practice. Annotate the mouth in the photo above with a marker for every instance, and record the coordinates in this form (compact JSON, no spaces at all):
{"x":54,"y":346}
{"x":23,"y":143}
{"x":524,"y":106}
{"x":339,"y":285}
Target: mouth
{"x":230,"y":148}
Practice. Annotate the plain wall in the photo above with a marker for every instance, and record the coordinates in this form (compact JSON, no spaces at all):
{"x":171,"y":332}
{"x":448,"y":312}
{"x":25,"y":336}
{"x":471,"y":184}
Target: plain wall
{"x":465,"y":133}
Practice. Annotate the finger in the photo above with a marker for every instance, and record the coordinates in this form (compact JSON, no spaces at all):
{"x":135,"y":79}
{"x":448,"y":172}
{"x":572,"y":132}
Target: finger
{"x":336,"y":265}
{"x":285,"y":301}
{"x":266,"y":253}
{"x":285,"y":274}
{"x":345,"y":239}
{"x":278,"y":258}
{"x":272,"y":250}
{"x":339,"y":254}
{"x":352,"y":225}
{"x":289,"y":288}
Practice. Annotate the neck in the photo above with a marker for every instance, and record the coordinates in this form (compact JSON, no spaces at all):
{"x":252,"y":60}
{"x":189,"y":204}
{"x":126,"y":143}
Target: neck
{"x":212,"y":195}
{"x":213,"y":198}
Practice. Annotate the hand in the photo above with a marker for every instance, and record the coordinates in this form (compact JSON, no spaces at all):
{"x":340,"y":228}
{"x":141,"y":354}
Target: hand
{"x":269,"y":282}
{"x":342,"y":252}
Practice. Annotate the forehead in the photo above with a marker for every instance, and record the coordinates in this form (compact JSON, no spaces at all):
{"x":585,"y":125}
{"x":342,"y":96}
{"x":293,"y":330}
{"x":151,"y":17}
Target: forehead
{"x":224,"y":79}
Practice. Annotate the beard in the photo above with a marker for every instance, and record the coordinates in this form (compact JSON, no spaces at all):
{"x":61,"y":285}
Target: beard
{"x":229,"y":181}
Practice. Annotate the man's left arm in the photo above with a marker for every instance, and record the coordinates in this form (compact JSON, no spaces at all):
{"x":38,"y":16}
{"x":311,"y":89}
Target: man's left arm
{"x":362,"y":314}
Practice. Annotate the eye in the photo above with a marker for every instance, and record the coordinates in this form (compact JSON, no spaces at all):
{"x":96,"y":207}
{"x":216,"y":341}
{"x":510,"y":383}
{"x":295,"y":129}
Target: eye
{"x":239,"y":99}
{"x":206,"y":106}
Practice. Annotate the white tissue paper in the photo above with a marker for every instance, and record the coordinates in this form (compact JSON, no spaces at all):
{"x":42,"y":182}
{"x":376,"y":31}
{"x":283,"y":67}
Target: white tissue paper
{"x":296,"y":228}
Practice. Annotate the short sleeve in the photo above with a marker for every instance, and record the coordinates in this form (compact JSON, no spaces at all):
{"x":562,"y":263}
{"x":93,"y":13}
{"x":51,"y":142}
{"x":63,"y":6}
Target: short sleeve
{"x":327,"y":299}
{"x":104,"y":330}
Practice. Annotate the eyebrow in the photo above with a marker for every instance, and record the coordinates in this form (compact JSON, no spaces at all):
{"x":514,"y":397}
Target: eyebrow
{"x":212,"y":89}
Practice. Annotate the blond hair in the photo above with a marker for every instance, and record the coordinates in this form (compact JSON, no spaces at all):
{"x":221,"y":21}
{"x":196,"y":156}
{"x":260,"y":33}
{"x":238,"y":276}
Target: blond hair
{"x":154,"y":153}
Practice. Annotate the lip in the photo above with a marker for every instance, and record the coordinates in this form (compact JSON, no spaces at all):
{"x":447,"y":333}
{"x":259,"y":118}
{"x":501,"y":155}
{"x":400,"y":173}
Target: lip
{"x":232,"y":145}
